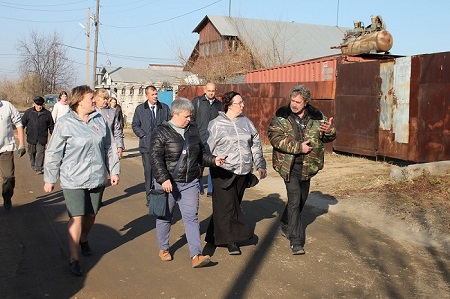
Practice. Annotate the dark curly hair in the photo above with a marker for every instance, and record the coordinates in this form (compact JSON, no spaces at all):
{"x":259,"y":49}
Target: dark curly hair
{"x":227,"y":99}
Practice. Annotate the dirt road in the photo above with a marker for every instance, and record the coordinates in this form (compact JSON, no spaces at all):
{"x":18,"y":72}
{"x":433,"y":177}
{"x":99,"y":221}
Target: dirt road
{"x":352,"y":250}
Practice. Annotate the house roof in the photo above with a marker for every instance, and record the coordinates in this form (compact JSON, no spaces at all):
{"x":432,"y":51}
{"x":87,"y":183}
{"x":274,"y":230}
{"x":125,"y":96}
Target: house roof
{"x":153,"y":75}
{"x":293,"y":41}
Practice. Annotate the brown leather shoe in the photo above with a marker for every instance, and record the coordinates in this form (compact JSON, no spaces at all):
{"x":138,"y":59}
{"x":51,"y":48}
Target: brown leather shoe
{"x":200,"y":261}
{"x":165,"y":255}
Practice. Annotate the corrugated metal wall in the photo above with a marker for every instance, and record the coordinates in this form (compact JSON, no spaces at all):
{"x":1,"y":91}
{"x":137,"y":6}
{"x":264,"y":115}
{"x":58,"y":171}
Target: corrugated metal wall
{"x":396,"y":107}
{"x":317,"y":70}
{"x":263,"y":99}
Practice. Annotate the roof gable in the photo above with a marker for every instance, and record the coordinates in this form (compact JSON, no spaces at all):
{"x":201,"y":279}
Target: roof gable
{"x":279,"y":42}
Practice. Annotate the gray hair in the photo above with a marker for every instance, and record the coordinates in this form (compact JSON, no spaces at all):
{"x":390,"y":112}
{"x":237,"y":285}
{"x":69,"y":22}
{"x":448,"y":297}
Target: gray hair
{"x":180,"y":105}
{"x":301,"y":90}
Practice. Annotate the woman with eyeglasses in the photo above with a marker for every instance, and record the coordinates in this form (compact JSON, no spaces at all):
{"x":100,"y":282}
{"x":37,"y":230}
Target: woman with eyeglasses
{"x":234,"y":136}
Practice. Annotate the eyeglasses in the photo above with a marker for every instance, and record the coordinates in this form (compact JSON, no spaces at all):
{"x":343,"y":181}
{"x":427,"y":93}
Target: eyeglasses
{"x":239,"y":103}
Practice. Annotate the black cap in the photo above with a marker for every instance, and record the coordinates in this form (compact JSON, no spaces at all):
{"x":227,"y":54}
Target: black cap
{"x":39,"y":101}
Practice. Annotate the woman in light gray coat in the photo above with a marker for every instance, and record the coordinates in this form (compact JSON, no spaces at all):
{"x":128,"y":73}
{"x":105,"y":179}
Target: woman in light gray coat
{"x":233,"y":135}
{"x":81,"y":153}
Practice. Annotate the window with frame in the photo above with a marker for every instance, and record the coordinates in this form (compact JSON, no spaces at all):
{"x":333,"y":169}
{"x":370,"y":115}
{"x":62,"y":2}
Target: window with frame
{"x":123,"y":91}
{"x":131,"y":91}
{"x":141,"y":90}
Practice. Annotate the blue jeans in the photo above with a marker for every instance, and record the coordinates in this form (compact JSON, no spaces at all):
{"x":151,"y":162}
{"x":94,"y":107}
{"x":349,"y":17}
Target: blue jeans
{"x":186,"y":195}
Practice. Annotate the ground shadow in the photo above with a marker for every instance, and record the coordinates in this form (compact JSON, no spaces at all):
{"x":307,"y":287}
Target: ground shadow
{"x":272,"y":206}
{"x":127,"y":193}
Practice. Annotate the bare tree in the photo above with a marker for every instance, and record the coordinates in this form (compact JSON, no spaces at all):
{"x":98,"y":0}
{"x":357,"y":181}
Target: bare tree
{"x":45,"y":63}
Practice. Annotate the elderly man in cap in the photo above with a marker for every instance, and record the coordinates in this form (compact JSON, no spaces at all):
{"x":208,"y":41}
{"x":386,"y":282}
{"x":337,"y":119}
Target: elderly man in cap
{"x":9,"y":118}
{"x":38,"y":121}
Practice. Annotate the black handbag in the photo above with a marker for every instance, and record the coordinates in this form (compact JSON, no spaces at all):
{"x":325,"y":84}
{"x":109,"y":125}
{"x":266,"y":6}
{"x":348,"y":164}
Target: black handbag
{"x":158,"y":197}
{"x":158,"y":203}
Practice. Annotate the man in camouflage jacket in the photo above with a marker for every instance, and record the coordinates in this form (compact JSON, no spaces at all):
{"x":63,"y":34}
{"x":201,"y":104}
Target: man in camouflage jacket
{"x":297,"y":133}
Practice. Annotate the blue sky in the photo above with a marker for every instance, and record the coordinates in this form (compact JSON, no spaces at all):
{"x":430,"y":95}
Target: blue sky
{"x":135,"y":33}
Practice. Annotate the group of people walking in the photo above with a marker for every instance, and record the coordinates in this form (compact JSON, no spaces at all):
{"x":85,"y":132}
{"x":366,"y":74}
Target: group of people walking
{"x":176,"y":144}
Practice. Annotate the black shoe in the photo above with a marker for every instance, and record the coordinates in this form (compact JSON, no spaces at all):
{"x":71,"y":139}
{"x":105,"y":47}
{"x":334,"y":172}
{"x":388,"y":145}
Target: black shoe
{"x":209,"y":194}
{"x":75,"y":269}
{"x":85,"y":248}
{"x":7,"y":203}
{"x":233,"y":249}
{"x":297,"y":249}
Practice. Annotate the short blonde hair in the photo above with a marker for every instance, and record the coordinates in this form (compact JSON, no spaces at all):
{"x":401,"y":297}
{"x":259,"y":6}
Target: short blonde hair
{"x":77,"y":94}
{"x":103,"y":93}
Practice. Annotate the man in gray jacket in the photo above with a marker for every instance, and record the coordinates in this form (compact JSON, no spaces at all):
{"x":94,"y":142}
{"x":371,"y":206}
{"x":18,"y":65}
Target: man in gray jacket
{"x":147,"y":117}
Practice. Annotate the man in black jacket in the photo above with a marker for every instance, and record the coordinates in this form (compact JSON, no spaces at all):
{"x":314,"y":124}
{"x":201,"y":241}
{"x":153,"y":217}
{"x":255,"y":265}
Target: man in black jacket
{"x":206,"y":108}
{"x":146,"y":118}
{"x":37,"y":121}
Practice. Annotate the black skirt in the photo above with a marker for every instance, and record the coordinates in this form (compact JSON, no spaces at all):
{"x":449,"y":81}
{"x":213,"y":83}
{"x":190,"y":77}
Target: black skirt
{"x":227,"y":224}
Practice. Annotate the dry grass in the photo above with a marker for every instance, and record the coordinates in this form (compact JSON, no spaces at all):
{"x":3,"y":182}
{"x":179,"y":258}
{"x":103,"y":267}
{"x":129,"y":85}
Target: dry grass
{"x":424,"y":200}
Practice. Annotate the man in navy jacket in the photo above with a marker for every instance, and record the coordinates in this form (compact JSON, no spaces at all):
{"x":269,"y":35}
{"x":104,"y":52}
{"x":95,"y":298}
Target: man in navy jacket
{"x":147,"y":117}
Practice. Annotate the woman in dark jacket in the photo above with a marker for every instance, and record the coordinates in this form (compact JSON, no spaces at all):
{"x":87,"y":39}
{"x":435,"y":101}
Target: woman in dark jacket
{"x":174,"y":141}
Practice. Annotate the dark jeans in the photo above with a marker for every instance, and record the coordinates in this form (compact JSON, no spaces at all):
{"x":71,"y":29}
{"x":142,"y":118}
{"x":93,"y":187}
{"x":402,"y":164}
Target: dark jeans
{"x":36,"y":152}
{"x":291,"y":220}
{"x":148,"y":174}
{"x":7,"y":172}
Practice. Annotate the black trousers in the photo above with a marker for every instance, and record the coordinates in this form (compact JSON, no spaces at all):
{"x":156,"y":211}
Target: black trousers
{"x":227,"y":224}
{"x":148,"y":174}
{"x":291,"y":220}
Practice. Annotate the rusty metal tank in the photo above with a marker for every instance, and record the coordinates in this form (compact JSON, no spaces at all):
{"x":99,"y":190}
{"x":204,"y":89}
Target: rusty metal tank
{"x":371,"y":39}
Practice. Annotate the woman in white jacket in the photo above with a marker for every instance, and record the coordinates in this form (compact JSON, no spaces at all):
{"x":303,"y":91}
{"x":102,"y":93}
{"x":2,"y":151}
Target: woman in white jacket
{"x":62,"y":107}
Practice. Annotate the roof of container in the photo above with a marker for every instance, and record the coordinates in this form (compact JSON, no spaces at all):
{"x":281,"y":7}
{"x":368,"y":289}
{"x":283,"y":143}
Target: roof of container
{"x":297,"y":41}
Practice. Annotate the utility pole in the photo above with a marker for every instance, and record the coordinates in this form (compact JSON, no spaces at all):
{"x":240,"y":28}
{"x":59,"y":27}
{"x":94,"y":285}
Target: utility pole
{"x":229,"y":8}
{"x":53,"y":85}
{"x":88,"y":44}
{"x":97,"y":24}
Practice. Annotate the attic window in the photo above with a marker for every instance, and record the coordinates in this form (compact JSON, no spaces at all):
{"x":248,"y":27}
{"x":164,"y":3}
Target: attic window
{"x":123,"y":91}
{"x":131,"y":91}
{"x":141,"y":90}
{"x":233,"y":45}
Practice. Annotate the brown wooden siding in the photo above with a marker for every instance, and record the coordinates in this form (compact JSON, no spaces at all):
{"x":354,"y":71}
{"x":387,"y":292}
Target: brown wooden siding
{"x":208,"y":34}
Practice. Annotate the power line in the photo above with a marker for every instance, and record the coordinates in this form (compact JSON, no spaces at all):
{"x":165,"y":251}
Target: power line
{"x":163,"y":21}
{"x":36,"y":9}
{"x":131,"y":57}
{"x":41,"y":21}
{"x":41,"y":5}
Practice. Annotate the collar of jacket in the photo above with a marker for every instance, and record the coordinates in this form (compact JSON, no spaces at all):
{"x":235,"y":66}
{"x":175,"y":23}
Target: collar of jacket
{"x":91,"y":116}
{"x":147,"y":106}
{"x":312,"y":111}
{"x":204,"y":98}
